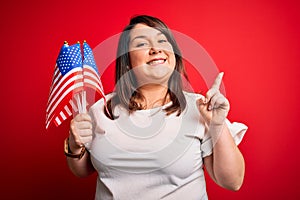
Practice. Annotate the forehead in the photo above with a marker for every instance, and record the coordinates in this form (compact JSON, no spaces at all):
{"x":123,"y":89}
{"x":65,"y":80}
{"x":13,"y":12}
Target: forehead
{"x":143,"y":30}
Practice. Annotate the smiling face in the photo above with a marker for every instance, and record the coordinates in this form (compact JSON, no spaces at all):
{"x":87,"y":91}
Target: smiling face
{"x":151,"y":55}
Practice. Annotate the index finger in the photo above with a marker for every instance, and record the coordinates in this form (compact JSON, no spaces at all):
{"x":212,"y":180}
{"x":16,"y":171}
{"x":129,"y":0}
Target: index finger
{"x":82,"y":117}
{"x":218,"y":81}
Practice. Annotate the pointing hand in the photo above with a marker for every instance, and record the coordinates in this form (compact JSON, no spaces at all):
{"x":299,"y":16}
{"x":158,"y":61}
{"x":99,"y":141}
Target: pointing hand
{"x":214,"y":107}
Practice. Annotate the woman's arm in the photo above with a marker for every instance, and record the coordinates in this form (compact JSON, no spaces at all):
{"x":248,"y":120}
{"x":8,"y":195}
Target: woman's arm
{"x":226,"y":165}
{"x":80,"y":133}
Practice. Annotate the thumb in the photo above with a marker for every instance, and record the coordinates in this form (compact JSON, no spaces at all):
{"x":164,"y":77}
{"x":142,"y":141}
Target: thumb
{"x":202,"y":105}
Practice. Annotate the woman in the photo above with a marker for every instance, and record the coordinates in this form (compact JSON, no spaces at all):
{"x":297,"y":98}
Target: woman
{"x":152,"y":139}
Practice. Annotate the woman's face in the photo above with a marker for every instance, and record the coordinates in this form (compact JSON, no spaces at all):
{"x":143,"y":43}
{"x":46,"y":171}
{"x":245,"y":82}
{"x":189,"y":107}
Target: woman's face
{"x":151,"y":55}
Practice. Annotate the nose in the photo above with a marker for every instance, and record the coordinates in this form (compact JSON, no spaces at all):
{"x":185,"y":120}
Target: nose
{"x":154,"y":50}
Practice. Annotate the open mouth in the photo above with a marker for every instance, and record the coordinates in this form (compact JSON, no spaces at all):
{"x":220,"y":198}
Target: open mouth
{"x":157,"y":61}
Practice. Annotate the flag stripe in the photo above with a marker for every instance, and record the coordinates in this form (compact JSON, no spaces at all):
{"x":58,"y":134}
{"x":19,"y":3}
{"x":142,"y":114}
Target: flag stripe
{"x":91,"y":79}
{"x":63,"y":92}
{"x":63,"y":115}
{"x":68,"y":113}
{"x":92,"y":76}
{"x":56,"y":81}
{"x":68,"y":110}
{"x":58,"y":122}
{"x":90,"y":70}
{"x":62,"y":83}
{"x":73,"y":105}
{"x":68,"y":91}
{"x":91,"y":84}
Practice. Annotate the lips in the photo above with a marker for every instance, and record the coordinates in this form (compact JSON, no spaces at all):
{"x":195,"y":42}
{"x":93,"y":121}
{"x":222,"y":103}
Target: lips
{"x":157,"y":61}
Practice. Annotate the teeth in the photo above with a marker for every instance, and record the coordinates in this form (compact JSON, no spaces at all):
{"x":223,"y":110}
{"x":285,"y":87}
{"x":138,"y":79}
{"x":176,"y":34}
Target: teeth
{"x":156,"y":62}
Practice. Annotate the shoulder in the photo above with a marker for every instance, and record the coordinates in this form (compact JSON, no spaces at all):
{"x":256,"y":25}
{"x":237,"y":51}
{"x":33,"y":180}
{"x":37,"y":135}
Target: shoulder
{"x":96,"y":111}
{"x":191,"y":102}
{"x":191,"y":96}
{"x":101,"y":102}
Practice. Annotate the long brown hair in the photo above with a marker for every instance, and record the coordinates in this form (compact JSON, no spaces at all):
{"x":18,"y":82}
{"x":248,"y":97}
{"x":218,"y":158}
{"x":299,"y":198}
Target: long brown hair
{"x":126,"y":85}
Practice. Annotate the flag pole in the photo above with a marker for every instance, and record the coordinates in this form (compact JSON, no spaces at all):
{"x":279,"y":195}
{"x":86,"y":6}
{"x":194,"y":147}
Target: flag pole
{"x":80,"y":96}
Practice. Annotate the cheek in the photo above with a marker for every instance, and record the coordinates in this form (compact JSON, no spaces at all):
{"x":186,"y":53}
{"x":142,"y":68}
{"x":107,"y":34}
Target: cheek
{"x":136,"y":58}
{"x":172,"y":61}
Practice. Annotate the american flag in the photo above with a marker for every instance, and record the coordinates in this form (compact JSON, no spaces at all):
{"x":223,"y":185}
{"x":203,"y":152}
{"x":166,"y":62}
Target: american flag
{"x":67,"y":80}
{"x":90,"y":70}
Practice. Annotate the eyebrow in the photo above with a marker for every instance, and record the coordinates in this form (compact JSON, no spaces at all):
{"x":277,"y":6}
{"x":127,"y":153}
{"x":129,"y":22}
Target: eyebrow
{"x":143,"y":36}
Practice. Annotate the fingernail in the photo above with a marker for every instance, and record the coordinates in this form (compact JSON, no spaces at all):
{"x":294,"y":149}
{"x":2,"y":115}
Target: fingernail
{"x":209,"y":107}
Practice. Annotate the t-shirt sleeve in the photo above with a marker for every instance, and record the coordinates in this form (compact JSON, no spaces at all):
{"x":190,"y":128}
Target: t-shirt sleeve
{"x":237,"y":131}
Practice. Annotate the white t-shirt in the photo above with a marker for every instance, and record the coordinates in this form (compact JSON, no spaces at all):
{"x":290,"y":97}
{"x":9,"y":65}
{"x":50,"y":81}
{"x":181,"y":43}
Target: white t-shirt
{"x":148,"y":155}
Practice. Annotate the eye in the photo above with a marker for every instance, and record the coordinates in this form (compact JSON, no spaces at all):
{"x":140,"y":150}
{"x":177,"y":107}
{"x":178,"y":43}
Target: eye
{"x":141,"y":44}
{"x":162,"y":41}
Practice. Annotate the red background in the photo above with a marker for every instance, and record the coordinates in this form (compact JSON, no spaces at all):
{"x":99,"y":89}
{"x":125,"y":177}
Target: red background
{"x":255,"y":42}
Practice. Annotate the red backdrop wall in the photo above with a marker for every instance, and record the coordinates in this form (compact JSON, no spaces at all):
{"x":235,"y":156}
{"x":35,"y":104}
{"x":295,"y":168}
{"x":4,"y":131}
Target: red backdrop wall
{"x":256,"y":43}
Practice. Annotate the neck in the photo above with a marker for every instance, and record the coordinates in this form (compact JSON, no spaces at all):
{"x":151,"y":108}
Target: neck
{"x":154,"y":96}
